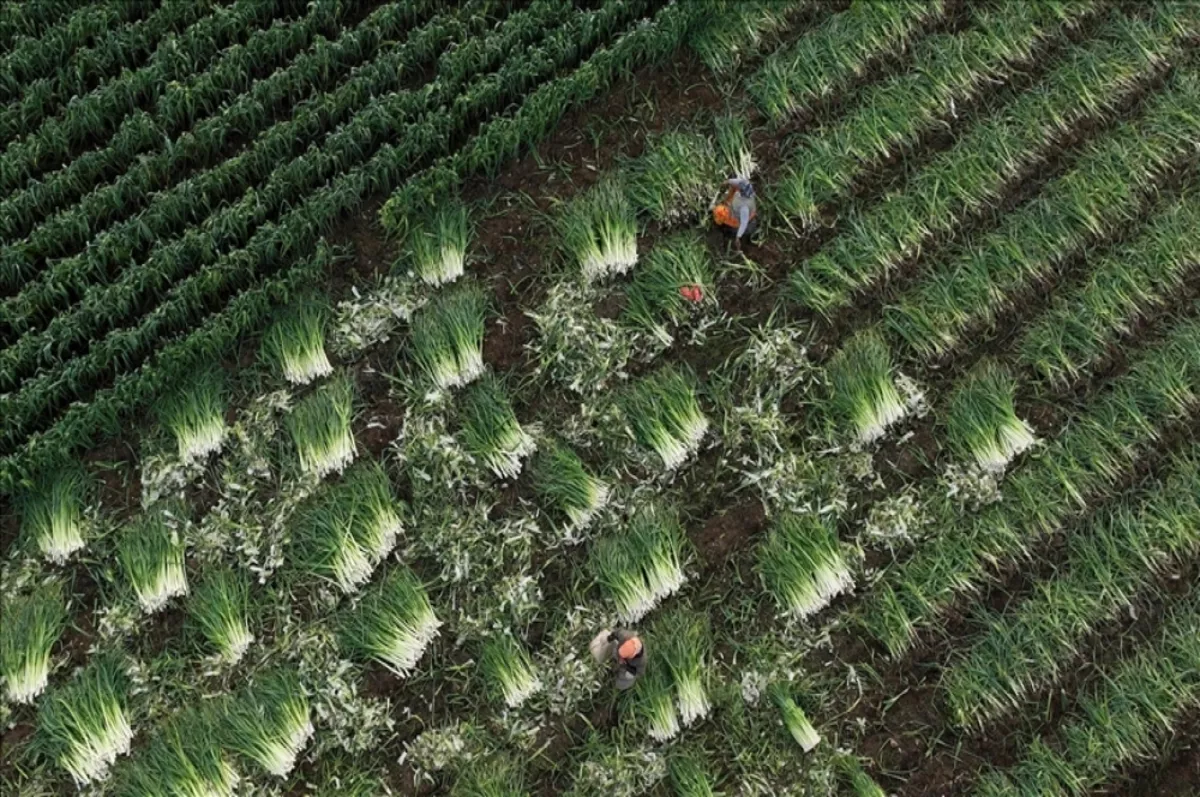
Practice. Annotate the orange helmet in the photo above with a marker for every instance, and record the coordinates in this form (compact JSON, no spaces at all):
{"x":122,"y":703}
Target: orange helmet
{"x":630,"y":648}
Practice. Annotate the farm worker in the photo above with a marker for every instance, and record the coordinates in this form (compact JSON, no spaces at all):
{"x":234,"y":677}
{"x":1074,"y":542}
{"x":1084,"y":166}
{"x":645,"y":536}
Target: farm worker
{"x":626,"y":652}
{"x":738,"y":209}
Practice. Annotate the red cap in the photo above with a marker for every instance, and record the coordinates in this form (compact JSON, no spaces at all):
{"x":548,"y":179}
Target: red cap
{"x":630,"y":648}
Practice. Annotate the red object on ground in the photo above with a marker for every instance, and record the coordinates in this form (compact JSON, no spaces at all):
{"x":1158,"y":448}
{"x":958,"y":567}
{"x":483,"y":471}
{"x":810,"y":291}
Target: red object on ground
{"x":692,"y":293}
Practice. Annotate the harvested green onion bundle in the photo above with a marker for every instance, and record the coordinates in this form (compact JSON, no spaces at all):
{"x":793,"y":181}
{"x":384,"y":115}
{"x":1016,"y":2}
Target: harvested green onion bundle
{"x":802,"y":565}
{"x":33,"y":622}
{"x":296,"y":343}
{"x":491,"y":432}
{"x":367,"y":492}
{"x":654,"y":703}
{"x":52,"y":512}
{"x":341,"y":537}
{"x":151,"y":554}
{"x":794,"y":718}
{"x":685,"y":642}
{"x":734,"y":147}
{"x":860,"y":782}
{"x":447,"y":337}
{"x":674,"y":180}
{"x":183,"y":758}
{"x":643,"y":566}
{"x":688,"y":778}
{"x":863,"y":390}
{"x":982,"y":421}
{"x":599,"y":231}
{"x":393,"y":623}
{"x":320,"y":429}
{"x":219,"y":605}
{"x":494,"y":776}
{"x":437,"y":244}
{"x":564,"y":483}
{"x":676,"y":277}
{"x":196,"y":417}
{"x":85,"y":724}
{"x":269,"y":722}
{"x":665,"y":415}
{"x":508,"y":669}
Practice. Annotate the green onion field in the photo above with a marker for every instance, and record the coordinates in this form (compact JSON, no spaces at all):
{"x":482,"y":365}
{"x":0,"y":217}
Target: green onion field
{"x":362,"y":360}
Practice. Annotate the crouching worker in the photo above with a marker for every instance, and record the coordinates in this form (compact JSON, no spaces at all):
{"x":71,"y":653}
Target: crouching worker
{"x":738,"y":210}
{"x":624,"y":651}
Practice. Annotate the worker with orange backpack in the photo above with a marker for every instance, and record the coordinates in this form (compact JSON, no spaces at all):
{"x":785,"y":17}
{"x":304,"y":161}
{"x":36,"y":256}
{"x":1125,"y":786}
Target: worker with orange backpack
{"x":738,"y":210}
{"x":625,"y":650}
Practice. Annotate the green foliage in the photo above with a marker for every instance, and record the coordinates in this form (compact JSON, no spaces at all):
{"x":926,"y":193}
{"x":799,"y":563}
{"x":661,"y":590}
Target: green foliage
{"x":296,"y":342}
{"x":676,"y":269}
{"x":219,"y":605}
{"x":33,"y":622}
{"x":508,"y":669}
{"x":184,"y":757}
{"x":665,"y":415}
{"x":863,"y":391}
{"x":85,"y":724}
{"x":320,"y":428}
{"x":564,"y":483}
{"x":674,"y":181}
{"x":268,"y":722}
{"x":151,"y":552}
{"x":393,"y":623}
{"x":52,"y":511}
{"x":802,"y":564}
{"x":447,"y":337}
{"x":644,"y":565}
{"x":981,"y":421}
{"x":195,"y":414}
{"x":491,"y":432}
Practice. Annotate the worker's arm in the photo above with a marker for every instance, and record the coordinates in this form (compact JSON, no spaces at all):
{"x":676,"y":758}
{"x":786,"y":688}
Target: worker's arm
{"x":743,"y":220}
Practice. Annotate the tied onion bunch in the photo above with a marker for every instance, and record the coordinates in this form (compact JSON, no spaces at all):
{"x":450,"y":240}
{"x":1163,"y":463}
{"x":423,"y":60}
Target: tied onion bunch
{"x":684,"y":645}
{"x":33,"y":622}
{"x":863,"y":390}
{"x":196,"y":417}
{"x":437,"y":246}
{"x":676,"y":278}
{"x":688,"y":776}
{"x":801,"y":564}
{"x":599,"y":231}
{"x":52,"y":512}
{"x":219,"y":605}
{"x":564,"y":483}
{"x":859,"y":781}
{"x":982,"y":421}
{"x":392,"y":624}
{"x":665,"y":416}
{"x":183,"y":758}
{"x":447,"y":337}
{"x":654,"y":703}
{"x":296,"y":343}
{"x":269,"y":722}
{"x":320,"y":429}
{"x":151,"y":554}
{"x":491,"y":432}
{"x":733,"y":145}
{"x":643,"y":566}
{"x":795,"y":719}
{"x":345,"y":531}
{"x":673,"y":181}
{"x":508,"y":669}
{"x":84,"y":724}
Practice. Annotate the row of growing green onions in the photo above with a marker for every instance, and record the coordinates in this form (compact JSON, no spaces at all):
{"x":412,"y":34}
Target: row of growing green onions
{"x":1112,"y":432}
{"x":945,"y":70}
{"x":1094,"y":79}
{"x":1122,"y":720}
{"x":26,"y":23}
{"x":296,"y":178}
{"x":820,"y":64}
{"x":251,"y":111}
{"x":97,"y":112}
{"x":1111,"y":566}
{"x":1111,"y":184}
{"x":41,"y":218}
